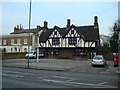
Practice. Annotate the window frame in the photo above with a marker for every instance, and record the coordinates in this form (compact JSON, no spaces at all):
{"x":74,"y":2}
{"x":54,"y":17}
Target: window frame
{"x":25,"y":40}
{"x":12,"y":41}
{"x":72,"y":40}
{"x":4,"y":41}
{"x":18,"y":41}
{"x":55,"y":41}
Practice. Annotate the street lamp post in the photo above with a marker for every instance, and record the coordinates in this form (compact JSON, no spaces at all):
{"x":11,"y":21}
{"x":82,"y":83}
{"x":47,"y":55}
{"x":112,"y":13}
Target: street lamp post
{"x":29,"y":34}
{"x":38,"y":47}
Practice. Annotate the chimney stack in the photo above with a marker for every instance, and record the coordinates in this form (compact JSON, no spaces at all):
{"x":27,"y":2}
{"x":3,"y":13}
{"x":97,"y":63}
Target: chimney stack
{"x":96,"y":22}
{"x":68,"y":22}
{"x":20,"y":26}
{"x":17,"y":26}
{"x":45,"y":24}
{"x":95,"y":19}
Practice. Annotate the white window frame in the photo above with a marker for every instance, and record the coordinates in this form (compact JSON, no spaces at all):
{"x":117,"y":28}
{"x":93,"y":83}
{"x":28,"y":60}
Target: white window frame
{"x":18,"y":41}
{"x":0,"y":42}
{"x":4,"y":42}
{"x":12,"y":41}
{"x":25,"y":40}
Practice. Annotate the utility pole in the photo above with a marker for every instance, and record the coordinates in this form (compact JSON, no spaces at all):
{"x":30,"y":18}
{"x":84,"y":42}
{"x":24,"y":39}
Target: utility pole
{"x":29,"y":34}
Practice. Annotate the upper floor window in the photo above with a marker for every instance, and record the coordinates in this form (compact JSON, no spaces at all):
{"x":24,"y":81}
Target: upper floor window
{"x":72,"y":31}
{"x":55,"y":41}
{"x":4,"y":42}
{"x":0,"y":42}
{"x":72,"y":41}
{"x":55,"y":32}
{"x":12,"y":41}
{"x":25,"y":40}
{"x":19,"y":41}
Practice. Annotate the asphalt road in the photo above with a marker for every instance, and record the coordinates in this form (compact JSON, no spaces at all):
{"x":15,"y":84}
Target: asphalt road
{"x":30,"y":78}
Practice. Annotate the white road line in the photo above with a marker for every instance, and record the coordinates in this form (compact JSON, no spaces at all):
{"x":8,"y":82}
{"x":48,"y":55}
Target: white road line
{"x":49,"y":80}
{"x":19,"y":72}
{"x":101,"y":83}
{"x":12,"y":75}
{"x":76,"y":84}
{"x":62,"y":77}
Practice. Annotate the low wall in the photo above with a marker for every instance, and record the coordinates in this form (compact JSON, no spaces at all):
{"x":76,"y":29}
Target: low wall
{"x":12,"y":55}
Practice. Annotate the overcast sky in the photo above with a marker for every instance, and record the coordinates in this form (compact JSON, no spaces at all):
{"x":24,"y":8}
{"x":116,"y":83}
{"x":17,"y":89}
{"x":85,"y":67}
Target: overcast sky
{"x":56,"y":13}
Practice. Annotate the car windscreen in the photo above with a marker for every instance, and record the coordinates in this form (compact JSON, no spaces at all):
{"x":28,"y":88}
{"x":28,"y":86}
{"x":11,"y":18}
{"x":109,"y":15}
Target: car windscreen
{"x":30,"y":52}
{"x":98,"y":58}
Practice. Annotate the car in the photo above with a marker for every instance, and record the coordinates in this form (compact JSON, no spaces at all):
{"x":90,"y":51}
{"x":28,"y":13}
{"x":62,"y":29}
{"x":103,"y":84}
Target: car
{"x":98,"y":60}
{"x":31,"y":54}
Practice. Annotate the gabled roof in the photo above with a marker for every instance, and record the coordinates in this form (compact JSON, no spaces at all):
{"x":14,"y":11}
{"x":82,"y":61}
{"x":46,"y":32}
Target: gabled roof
{"x":44,"y":36}
{"x":88,"y":33}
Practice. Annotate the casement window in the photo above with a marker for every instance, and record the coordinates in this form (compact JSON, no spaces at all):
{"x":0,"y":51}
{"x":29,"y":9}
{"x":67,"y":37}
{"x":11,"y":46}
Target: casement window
{"x":25,"y":40}
{"x":4,"y":42}
{"x":12,"y":41}
{"x":72,"y":41}
{"x":55,"y":41}
{"x":55,"y":32}
{"x":72,"y":31}
{"x":18,"y":41}
{"x":0,"y":42}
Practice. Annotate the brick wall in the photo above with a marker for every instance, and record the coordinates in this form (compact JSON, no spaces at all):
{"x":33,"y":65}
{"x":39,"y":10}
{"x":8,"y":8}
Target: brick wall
{"x":13,"y":55}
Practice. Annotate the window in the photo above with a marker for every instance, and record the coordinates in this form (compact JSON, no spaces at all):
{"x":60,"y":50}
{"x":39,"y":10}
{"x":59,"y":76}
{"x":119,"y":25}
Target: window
{"x":77,"y":52}
{"x":72,"y":41}
{"x":4,"y":50}
{"x":18,"y":41}
{"x":55,"y":41}
{"x":12,"y":41}
{"x":25,"y":49}
{"x":25,"y":40}
{"x":72,"y":31}
{"x":15,"y":49}
{"x":55,"y":32}
{"x":4,"y":42}
{"x":0,"y":42}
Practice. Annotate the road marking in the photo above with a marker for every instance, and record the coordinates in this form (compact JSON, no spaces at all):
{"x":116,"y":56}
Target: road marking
{"x":61,"y":77}
{"x":101,"y":83}
{"x":62,"y":82}
{"x":19,"y":72}
{"x":49,"y":80}
{"x":12,"y":75}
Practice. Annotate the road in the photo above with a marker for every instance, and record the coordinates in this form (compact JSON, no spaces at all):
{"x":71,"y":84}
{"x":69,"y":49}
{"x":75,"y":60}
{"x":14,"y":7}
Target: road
{"x":31,"y":78}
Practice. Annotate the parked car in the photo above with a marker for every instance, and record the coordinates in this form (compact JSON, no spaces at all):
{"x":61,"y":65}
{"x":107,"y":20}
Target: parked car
{"x":31,"y":54}
{"x":98,"y":60}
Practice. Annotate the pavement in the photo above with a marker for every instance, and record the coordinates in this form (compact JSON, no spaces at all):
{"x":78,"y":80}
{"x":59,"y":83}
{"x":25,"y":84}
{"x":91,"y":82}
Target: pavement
{"x":61,"y":65}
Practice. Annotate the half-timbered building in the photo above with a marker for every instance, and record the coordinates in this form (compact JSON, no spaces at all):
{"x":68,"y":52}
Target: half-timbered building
{"x":70,"y":41}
